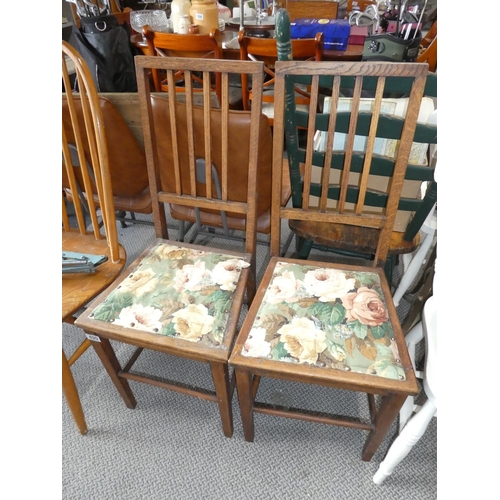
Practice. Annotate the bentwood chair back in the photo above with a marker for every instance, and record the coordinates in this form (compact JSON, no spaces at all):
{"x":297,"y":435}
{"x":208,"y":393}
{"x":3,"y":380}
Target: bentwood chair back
{"x":127,"y":161}
{"x":85,"y":133}
{"x":178,"y":298}
{"x":317,"y":322}
{"x":265,"y":49}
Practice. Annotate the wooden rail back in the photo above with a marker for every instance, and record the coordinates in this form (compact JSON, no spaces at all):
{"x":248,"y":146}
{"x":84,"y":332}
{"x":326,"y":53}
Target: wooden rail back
{"x":177,"y":45}
{"x":265,"y":49}
{"x":179,"y":135}
{"x":372,"y":124}
{"x":88,"y":134}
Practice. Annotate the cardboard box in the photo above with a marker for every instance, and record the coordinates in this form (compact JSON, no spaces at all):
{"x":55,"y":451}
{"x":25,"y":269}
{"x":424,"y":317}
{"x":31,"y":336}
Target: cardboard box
{"x":335,"y":31}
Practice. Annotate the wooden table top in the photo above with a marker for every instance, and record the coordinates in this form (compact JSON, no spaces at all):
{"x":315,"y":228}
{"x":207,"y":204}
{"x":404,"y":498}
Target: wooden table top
{"x":352,"y":53}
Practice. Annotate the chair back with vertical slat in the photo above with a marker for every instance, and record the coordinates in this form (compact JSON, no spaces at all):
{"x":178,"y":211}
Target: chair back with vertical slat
{"x":326,"y":191}
{"x":85,"y":144}
{"x":180,"y":45}
{"x":265,"y":49}
{"x":179,"y":134}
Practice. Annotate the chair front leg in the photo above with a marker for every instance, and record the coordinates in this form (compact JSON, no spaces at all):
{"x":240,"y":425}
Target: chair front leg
{"x":220,"y":375}
{"x":246,"y":399}
{"x":108,"y":358}
{"x":389,"y":409}
{"x":71,"y":394}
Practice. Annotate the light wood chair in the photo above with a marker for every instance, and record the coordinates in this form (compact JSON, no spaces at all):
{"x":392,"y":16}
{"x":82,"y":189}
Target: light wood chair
{"x":177,"y":298}
{"x":265,"y":49}
{"x":321,"y":323}
{"x":78,"y":289}
{"x":127,"y":162}
{"x":429,"y":53}
{"x":180,"y":45}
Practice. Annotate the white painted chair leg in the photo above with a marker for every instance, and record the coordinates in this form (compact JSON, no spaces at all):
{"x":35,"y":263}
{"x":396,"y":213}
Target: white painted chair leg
{"x":410,"y":435}
{"x":413,"y":337}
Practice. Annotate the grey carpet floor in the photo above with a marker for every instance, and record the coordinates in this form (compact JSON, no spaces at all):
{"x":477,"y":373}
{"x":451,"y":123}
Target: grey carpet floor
{"x":171,"y":446}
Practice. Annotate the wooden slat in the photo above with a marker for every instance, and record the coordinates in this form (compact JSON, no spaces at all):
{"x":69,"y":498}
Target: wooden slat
{"x":363,"y":184}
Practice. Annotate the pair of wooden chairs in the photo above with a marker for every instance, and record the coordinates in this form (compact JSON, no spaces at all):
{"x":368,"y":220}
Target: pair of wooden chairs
{"x":308,"y":321}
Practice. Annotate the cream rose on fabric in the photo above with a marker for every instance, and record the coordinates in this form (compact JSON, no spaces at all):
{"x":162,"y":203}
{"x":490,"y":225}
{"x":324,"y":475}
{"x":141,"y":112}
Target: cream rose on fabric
{"x":192,"y":322}
{"x":171,"y":252}
{"x":227,"y":273}
{"x":190,"y":277}
{"x":256,"y":345}
{"x":366,"y":306}
{"x":283,"y":288}
{"x":140,"y":317}
{"x":140,"y":282}
{"x":303,"y":340}
{"x":327,"y":284}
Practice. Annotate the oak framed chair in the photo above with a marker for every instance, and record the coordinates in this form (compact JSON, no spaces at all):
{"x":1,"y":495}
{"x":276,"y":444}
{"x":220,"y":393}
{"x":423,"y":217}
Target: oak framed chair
{"x":265,"y":49}
{"x":317,"y":322}
{"x":177,"y":298}
{"x":85,"y":132}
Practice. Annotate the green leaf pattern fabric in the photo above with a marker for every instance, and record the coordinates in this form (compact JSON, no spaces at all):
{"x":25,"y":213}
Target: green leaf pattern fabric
{"x":328,"y":318}
{"x":176,"y":291}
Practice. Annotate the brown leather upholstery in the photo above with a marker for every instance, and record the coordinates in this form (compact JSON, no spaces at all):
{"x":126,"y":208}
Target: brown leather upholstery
{"x":239,"y":127}
{"x":127,"y":161}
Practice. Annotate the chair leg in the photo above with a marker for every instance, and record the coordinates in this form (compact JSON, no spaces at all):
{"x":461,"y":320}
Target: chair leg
{"x":413,"y":337}
{"x":72,"y":397}
{"x":412,"y":270}
{"x":108,"y":358}
{"x":403,"y":444}
{"x":388,"y":411}
{"x":390,"y":263}
{"x":246,"y":399}
{"x":305,"y":248}
{"x":220,"y":375}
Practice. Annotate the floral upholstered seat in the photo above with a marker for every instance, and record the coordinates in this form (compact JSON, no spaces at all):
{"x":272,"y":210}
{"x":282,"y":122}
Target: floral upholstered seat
{"x":325,"y":317}
{"x":176,"y":291}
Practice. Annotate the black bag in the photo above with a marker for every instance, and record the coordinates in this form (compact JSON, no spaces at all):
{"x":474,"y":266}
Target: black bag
{"x":105,"y":46}
{"x":389,"y":47}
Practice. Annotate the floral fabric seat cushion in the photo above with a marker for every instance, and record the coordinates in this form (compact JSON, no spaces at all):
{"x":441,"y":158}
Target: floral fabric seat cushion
{"x":325,"y":317}
{"x":176,"y":291}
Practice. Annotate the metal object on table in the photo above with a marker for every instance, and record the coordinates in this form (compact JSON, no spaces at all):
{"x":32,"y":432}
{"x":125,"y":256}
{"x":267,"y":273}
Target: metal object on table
{"x":420,"y":18}
{"x":83,"y":265}
{"x":253,"y":22}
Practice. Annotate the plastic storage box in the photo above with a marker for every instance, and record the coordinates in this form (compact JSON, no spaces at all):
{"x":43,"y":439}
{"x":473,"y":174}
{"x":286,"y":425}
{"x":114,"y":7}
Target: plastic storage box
{"x":335,"y":31}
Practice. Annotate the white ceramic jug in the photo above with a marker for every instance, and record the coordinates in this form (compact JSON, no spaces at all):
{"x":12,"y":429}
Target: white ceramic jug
{"x":179,"y":8}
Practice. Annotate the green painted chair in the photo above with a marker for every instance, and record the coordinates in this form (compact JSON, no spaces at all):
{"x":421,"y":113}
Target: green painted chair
{"x":320,"y":323}
{"x":412,"y":207}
